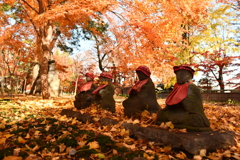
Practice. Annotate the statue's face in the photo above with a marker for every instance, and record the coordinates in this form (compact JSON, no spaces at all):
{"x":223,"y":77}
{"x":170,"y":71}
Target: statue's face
{"x":183,"y":76}
{"x":141,"y":75}
{"x":102,"y":79}
{"x":88,"y":79}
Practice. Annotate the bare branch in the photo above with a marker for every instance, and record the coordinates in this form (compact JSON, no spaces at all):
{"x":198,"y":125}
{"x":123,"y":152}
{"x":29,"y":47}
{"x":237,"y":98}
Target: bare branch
{"x":30,"y":6}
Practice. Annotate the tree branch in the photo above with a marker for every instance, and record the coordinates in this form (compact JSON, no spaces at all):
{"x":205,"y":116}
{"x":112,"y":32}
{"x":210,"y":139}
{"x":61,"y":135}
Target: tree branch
{"x":30,"y":6}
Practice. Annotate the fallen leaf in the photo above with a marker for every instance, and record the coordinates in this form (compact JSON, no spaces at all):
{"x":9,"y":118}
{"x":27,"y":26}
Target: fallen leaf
{"x":8,"y":135}
{"x":124,"y":132}
{"x":68,"y":150}
{"x":3,"y":140}
{"x":21,"y":140}
{"x":203,"y":152}
{"x":82,"y":143}
{"x":93,"y":145}
{"x":181,"y":155}
{"x":62,"y":147}
{"x":132,"y":147}
{"x":170,"y":125}
{"x":115,"y":151}
{"x":226,"y":153}
{"x":36,"y":133}
{"x":16,"y":151}
{"x":136,"y":121}
{"x":2,"y":125}
{"x":163,"y":157}
{"x":93,"y":111}
{"x":27,"y":136}
{"x":184,"y":130}
{"x":12,"y":158}
{"x":35,"y":148}
{"x":101,"y":156}
{"x":74,"y":121}
{"x":197,"y":157}
{"x":167,"y":148}
{"x":163,"y":126}
{"x":48,"y":127}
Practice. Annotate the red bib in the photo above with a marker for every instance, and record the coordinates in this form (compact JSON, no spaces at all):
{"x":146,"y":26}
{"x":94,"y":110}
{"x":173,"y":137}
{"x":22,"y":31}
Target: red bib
{"x":86,"y":86}
{"x":138,"y":86}
{"x":99,"y":88}
{"x":178,"y":94}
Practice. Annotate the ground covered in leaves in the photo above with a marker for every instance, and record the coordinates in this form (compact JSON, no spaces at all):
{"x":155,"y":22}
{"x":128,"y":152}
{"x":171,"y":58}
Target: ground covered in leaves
{"x":33,"y":129}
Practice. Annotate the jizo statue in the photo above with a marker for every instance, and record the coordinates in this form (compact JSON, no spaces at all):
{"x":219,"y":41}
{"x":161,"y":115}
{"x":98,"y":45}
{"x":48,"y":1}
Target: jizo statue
{"x":184,"y":106}
{"x":104,"y":93}
{"x":142,"y":95}
{"x":85,"y":98}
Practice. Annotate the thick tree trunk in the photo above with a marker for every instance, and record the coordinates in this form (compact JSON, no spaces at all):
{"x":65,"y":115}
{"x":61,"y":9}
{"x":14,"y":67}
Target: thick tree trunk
{"x":44,"y":76}
{"x":46,"y":34}
{"x":2,"y":82}
{"x":36,"y":76}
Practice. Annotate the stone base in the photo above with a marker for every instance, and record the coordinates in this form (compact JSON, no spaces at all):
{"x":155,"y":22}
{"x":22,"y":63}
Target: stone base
{"x":192,"y":142}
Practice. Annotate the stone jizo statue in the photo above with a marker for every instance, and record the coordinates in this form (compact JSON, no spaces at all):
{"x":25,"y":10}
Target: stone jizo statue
{"x":85,"y":98}
{"x":142,"y":95}
{"x":184,"y":106}
{"x":104,"y":93}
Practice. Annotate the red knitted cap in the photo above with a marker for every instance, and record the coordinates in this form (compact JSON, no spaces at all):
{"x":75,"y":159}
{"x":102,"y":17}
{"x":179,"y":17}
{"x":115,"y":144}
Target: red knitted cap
{"x":106,"y":74}
{"x":184,"y":67}
{"x":144,"y":69}
{"x":90,"y":74}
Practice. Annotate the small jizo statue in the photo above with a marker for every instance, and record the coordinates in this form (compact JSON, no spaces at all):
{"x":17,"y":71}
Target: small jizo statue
{"x":184,"y":106}
{"x":85,"y":98}
{"x":142,"y":95}
{"x":104,"y":93}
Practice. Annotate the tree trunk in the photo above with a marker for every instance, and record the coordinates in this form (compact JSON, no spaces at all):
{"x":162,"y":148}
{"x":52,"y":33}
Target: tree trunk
{"x":11,"y":84}
{"x":46,"y":33}
{"x":76,"y":85}
{"x":36,"y":76}
{"x":220,"y":79}
{"x":2,"y":82}
{"x":44,"y":76}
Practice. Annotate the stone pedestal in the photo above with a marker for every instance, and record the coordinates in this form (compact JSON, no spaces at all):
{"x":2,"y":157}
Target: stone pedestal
{"x":192,"y":142}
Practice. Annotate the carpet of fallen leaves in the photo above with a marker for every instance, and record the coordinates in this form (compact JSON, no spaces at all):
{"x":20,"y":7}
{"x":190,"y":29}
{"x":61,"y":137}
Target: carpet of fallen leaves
{"x":33,"y":129}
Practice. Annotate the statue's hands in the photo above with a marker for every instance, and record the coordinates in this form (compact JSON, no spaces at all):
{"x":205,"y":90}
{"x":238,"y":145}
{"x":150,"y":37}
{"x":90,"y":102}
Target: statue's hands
{"x":154,"y":116}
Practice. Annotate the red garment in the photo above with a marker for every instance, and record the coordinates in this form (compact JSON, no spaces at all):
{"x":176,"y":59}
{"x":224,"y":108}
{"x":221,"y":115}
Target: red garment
{"x":90,"y":74}
{"x":138,"y":86}
{"x":86,"y":86}
{"x":178,"y":94}
{"x":184,"y":67}
{"x":106,"y":74}
{"x":144,"y":69}
{"x":99,"y":88}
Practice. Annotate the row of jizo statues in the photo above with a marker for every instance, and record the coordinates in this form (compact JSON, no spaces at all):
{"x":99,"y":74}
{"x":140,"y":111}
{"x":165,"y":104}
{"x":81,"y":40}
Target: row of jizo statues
{"x":184,"y":106}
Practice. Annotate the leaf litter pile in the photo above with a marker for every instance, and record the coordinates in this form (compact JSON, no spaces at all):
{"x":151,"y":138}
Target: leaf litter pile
{"x":33,"y":129}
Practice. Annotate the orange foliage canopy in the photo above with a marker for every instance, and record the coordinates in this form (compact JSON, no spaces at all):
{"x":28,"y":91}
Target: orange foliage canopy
{"x":146,"y":32}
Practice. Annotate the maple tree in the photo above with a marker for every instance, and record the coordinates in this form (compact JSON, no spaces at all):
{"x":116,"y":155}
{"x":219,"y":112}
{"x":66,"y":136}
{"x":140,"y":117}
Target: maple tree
{"x":16,"y":54}
{"x":216,"y":63}
{"x":48,"y":25}
{"x":214,"y":49}
{"x":155,"y":35}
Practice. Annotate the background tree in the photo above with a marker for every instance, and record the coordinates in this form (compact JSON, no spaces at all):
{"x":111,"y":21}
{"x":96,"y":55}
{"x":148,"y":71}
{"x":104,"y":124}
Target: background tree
{"x":48,"y":25}
{"x":151,"y":33}
{"x":215,"y":50}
